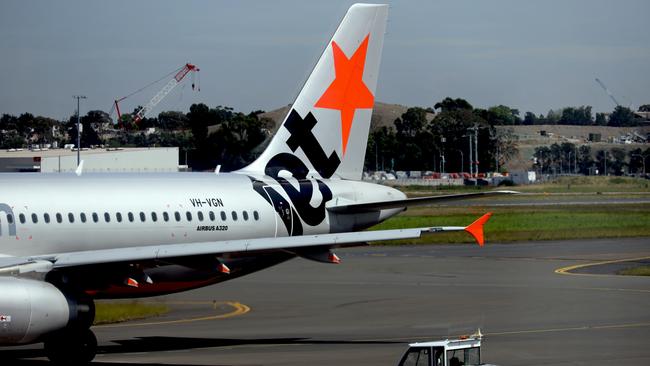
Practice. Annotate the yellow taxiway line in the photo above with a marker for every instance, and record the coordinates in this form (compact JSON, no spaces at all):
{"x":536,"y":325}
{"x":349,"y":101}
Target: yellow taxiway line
{"x":567,"y":270}
{"x":238,"y":309}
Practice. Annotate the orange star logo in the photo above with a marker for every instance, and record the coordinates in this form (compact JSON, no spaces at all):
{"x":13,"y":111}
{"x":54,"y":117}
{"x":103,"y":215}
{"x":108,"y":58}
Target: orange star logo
{"x":347,"y":93}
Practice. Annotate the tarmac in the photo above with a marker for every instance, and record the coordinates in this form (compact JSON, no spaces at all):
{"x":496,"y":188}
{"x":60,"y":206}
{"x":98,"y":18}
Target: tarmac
{"x":532,"y":307}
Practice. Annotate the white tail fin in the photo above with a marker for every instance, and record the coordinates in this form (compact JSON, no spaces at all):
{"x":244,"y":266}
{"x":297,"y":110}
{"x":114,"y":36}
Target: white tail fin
{"x":326,"y":131}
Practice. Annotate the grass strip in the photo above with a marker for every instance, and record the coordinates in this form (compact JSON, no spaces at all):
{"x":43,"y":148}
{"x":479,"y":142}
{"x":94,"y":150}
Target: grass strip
{"x":519,"y":223}
{"x":636,"y":271}
{"x":116,"y":312}
{"x":575,"y":184}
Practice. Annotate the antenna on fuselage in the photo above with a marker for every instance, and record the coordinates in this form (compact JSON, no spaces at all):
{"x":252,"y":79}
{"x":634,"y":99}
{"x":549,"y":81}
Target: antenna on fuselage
{"x":79,"y":169}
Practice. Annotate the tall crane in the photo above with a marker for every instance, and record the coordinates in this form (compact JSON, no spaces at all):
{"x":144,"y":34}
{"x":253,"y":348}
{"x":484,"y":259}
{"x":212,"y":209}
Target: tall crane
{"x":179,"y":75}
{"x":608,"y":92}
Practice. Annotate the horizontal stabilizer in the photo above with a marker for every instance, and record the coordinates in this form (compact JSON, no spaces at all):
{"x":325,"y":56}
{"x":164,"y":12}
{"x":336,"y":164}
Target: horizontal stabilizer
{"x":417,"y":201}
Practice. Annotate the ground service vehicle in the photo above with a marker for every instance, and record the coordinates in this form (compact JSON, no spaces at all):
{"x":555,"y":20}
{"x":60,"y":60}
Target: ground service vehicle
{"x":465,"y":351}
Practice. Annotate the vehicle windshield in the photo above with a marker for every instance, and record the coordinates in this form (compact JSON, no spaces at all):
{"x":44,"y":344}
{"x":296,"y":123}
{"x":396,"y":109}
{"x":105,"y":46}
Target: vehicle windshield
{"x":416,"y":357}
{"x":464,"y":357}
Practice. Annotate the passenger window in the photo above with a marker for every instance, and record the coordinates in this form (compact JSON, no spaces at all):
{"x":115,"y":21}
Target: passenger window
{"x":82,"y":216}
{"x":223,"y":215}
{"x":95,"y":217}
{"x":188,"y":215}
{"x":130,"y":215}
{"x":59,"y":218}
{"x":10,"y":218}
{"x":200,"y":215}
{"x":245,"y":215}
{"x":143,"y":217}
{"x":165,"y":216}
{"x":154,"y":217}
{"x":256,"y":215}
{"x":22,"y":218}
{"x":107,"y":217}
{"x":177,"y":216}
{"x":234,"y":216}
{"x":34,"y":218}
{"x":70,"y":217}
{"x":211,"y":214}
{"x":118,"y":217}
{"x":46,"y":218}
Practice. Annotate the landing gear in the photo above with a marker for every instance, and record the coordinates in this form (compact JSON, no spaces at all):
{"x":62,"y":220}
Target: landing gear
{"x":76,"y":344}
{"x":71,"y":347}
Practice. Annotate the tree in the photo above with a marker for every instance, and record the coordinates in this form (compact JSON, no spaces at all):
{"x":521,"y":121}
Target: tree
{"x":502,"y":115}
{"x":561,"y":158}
{"x":618,"y":161}
{"x":171,"y":121}
{"x":604,"y":162}
{"x":9,"y":139}
{"x":418,"y":145}
{"x":585,"y":161}
{"x":449,"y":104}
{"x":380,"y":153}
{"x":506,"y":146}
{"x":576,"y":116}
{"x":601,"y":119}
{"x":622,"y":117}
{"x":553,"y":117}
{"x":233,"y":143}
{"x":542,"y":158}
{"x":411,"y":122}
{"x":530,"y":119}
{"x":452,"y":124}
{"x":644,"y":108}
{"x":8,"y":122}
{"x":568,"y":157}
{"x":637,"y":157}
{"x":89,"y":136}
{"x":43,"y":130}
{"x":199,"y":118}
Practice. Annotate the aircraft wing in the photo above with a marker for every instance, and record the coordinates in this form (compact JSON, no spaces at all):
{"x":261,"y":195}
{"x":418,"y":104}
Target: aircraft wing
{"x":417,"y":201}
{"x":157,"y":252}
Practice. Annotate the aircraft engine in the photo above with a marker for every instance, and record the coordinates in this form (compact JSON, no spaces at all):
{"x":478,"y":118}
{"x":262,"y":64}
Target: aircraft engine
{"x":30,"y":309}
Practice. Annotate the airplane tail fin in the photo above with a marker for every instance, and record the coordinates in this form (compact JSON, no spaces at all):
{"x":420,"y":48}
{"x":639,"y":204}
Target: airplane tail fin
{"x":326,"y":131}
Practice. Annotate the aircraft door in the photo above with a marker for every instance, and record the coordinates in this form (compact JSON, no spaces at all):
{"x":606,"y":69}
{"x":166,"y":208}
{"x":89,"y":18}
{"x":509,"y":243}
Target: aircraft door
{"x":7,"y":221}
{"x":282,"y":207}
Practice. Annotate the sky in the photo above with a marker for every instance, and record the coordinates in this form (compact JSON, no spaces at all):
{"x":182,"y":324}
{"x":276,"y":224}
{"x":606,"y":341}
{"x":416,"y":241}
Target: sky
{"x":530,"y":55}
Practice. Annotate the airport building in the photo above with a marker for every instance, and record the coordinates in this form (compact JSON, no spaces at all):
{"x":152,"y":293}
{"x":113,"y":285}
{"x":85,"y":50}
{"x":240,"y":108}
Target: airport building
{"x":105,"y":160}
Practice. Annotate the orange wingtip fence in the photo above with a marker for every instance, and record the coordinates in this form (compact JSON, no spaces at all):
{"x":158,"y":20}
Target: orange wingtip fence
{"x":476,"y":228}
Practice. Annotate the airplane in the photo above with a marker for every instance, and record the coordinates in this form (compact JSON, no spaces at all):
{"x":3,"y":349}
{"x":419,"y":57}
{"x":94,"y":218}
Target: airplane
{"x":69,"y":239}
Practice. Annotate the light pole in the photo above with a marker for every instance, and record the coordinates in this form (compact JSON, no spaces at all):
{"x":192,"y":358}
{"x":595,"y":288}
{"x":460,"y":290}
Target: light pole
{"x":443,"y":140}
{"x":472,"y":132}
{"x":475,"y":161}
{"x":471,"y":155}
{"x":78,"y":97}
{"x":462,"y":159}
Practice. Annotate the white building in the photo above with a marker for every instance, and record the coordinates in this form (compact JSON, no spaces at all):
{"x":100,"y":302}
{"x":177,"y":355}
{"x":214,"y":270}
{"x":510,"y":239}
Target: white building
{"x":144,"y":160}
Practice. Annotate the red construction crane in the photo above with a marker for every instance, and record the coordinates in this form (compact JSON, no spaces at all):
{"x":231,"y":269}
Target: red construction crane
{"x":179,"y":75}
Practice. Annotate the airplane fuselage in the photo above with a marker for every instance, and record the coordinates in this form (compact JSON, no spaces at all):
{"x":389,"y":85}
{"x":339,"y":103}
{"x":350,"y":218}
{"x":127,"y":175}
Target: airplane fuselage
{"x":56,"y":213}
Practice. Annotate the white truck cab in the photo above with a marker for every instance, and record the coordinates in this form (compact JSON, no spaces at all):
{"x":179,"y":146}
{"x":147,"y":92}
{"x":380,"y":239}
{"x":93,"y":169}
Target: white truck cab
{"x":465,"y":351}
